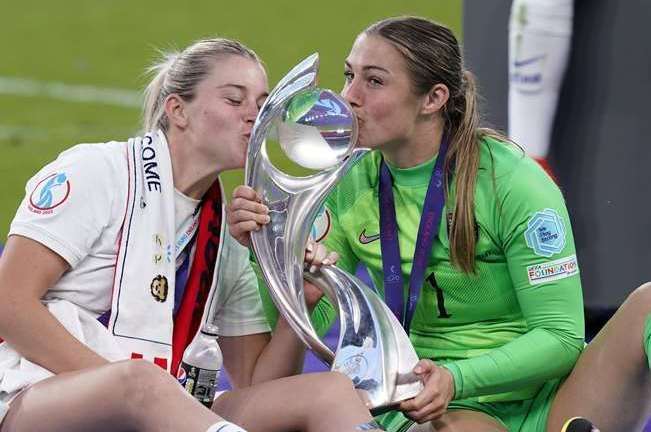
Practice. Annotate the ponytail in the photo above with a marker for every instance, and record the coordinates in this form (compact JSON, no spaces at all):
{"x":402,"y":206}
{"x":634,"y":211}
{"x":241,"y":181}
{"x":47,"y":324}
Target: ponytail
{"x":153,"y":108}
{"x":464,"y":156}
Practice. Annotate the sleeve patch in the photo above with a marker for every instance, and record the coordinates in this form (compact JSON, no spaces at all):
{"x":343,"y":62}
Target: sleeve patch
{"x":49,"y":193}
{"x":553,"y":270}
{"x":545,"y":233}
{"x":321,"y":225}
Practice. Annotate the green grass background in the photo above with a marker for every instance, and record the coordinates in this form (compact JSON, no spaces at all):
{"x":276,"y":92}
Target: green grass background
{"x":109,"y":43}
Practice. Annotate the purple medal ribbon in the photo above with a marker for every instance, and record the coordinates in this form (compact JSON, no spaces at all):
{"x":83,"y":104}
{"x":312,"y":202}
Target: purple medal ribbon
{"x":428,"y":228}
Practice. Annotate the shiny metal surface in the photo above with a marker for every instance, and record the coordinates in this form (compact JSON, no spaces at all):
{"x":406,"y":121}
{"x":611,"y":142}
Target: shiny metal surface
{"x":318,"y":129}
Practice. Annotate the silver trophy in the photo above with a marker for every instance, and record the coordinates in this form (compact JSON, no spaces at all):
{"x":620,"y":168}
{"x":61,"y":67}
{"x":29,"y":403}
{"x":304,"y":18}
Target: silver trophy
{"x":317,"y":129}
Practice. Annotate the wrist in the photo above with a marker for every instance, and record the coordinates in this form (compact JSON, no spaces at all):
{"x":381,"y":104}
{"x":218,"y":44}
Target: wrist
{"x":453,"y":373}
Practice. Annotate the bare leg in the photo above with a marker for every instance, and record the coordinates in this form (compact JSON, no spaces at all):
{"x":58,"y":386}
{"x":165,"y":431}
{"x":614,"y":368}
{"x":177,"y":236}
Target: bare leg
{"x":318,"y":402}
{"x":610,"y":384}
{"x":125,"y":396}
{"x":461,"y":421}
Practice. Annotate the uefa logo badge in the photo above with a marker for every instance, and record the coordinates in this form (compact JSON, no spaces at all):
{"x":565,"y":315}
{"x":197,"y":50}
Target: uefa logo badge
{"x":545,"y":233}
{"x":49,"y":193}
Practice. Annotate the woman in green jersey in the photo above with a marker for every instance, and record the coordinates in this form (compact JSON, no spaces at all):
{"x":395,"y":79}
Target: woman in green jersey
{"x":457,"y":217}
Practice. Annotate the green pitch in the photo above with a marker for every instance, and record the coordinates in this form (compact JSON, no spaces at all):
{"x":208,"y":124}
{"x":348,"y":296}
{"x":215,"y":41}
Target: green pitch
{"x":64,"y":64}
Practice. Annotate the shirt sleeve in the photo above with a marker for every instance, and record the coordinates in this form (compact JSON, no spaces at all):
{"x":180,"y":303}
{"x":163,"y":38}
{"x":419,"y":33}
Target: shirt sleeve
{"x":68,"y":203}
{"x":240,"y":311}
{"x":535,"y":231}
{"x":334,"y":237}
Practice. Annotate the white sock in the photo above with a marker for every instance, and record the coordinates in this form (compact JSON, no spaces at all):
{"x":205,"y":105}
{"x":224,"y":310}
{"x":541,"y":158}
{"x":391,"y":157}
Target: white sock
{"x":540,"y":32}
{"x":225,"y":426}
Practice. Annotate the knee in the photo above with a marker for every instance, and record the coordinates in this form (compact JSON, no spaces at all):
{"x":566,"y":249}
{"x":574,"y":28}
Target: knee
{"x":142,"y":383}
{"x":640,"y":298}
{"x":333,"y":386}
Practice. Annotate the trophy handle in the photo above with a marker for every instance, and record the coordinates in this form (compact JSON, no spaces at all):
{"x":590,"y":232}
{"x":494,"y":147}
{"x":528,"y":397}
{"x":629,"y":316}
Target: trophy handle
{"x":280,"y":252}
{"x":373,"y":349}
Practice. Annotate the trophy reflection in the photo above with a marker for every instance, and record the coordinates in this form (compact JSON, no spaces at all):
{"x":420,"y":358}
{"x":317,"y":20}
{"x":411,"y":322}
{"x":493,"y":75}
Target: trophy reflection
{"x":317,"y":129}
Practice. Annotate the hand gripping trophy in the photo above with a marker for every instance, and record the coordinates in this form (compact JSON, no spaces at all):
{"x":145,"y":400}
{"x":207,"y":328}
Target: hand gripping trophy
{"x":317,"y":129}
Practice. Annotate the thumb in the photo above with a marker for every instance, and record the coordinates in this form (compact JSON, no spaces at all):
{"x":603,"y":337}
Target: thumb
{"x":424,"y":366}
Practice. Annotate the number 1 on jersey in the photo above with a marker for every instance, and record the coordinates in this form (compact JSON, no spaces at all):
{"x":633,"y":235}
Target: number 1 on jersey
{"x":440,"y":300}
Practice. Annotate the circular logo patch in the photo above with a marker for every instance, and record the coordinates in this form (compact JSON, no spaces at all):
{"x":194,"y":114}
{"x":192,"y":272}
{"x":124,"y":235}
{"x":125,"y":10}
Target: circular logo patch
{"x":321,"y":225}
{"x":50,"y":192}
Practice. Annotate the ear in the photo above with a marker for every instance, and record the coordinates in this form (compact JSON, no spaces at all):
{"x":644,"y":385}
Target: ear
{"x":435,"y":99}
{"x":175,"y":110}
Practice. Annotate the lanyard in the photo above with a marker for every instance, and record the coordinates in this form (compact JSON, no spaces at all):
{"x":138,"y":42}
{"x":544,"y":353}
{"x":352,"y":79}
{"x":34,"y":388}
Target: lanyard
{"x":427,"y":230}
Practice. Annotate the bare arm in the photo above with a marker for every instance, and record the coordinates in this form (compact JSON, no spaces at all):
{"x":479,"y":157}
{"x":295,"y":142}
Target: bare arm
{"x":256,"y":358}
{"x":27,"y":270}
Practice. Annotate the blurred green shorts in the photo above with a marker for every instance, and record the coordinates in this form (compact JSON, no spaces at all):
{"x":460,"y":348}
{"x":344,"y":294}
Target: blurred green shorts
{"x":519,"y":416}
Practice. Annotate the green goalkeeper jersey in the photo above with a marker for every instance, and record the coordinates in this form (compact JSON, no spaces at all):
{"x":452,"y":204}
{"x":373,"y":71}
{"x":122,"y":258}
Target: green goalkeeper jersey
{"x":514,"y":324}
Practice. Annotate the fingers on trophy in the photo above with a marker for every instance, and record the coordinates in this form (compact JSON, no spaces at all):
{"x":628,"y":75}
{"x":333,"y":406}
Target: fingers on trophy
{"x":317,"y":129}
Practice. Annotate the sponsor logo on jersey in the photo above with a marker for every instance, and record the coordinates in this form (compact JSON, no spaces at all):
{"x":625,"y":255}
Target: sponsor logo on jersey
{"x":321,"y":225}
{"x":528,"y":61}
{"x":526,"y":75}
{"x":159,"y":288}
{"x":545,"y":233}
{"x":49,"y":193}
{"x":366,"y":239}
{"x":553,"y":270}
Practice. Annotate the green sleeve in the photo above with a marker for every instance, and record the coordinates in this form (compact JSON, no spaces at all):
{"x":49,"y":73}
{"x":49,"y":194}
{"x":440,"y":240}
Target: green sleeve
{"x":335,"y":238}
{"x":541,"y":258}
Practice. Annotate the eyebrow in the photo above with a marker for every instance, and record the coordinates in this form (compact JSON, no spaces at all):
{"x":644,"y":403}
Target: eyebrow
{"x":242,"y":88}
{"x":369,"y":67}
{"x":237,"y":86}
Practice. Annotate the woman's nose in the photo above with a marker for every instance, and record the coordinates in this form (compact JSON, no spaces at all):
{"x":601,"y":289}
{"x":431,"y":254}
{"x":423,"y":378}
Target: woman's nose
{"x":351,"y":94}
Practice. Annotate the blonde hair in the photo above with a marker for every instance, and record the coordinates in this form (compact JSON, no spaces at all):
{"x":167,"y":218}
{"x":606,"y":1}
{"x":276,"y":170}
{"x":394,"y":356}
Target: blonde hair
{"x":181,"y":72}
{"x":433,"y":56}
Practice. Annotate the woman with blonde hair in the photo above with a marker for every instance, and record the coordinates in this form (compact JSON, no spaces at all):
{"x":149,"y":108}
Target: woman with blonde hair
{"x":111,"y":257}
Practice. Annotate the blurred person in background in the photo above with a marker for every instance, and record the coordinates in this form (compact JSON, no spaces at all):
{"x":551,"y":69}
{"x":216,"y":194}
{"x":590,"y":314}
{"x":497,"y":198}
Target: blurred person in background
{"x":540,"y":35}
{"x":111,"y":256}
{"x":470,"y":243}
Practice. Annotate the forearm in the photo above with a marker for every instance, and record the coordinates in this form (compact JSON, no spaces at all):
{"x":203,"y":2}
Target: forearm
{"x":283,"y":356}
{"x":37,"y":335}
{"x":532,"y":358}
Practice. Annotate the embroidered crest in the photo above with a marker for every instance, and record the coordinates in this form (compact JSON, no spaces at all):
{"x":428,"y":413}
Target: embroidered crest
{"x":545,"y":233}
{"x":159,"y":288}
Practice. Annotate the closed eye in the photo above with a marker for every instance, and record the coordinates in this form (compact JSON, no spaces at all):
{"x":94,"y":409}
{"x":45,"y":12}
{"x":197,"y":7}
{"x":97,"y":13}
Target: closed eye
{"x":375,"y":82}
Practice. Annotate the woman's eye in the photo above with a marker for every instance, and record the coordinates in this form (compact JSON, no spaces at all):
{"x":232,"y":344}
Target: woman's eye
{"x":348,"y":75}
{"x":375,"y":82}
{"x":234,"y":101}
